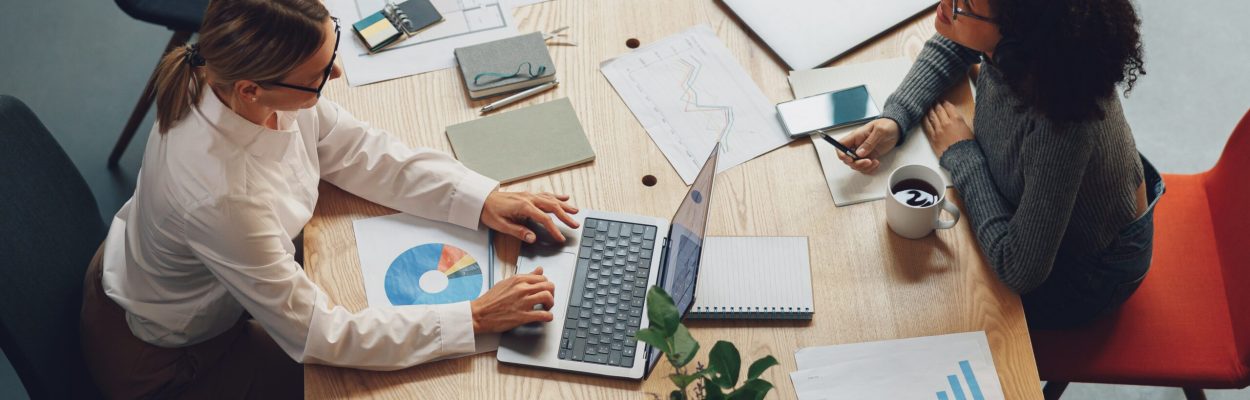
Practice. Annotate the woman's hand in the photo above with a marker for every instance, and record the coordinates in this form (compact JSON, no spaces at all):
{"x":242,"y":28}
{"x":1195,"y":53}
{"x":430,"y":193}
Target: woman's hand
{"x":511,"y":303}
{"x":870,"y":141}
{"x":507,"y":211}
{"x":945,"y":126}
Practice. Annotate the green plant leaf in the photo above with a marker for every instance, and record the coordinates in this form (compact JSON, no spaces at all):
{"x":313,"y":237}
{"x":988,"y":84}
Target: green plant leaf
{"x":661,"y":312}
{"x":726,"y":361}
{"x":677,"y":395}
{"x":684,"y":347}
{"x":753,"y":389}
{"x":712,"y":391}
{"x":759,"y":366}
{"x":682,"y":381}
{"x":654,"y":338}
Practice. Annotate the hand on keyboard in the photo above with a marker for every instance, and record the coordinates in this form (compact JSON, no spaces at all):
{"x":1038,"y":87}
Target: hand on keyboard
{"x":512,"y":302}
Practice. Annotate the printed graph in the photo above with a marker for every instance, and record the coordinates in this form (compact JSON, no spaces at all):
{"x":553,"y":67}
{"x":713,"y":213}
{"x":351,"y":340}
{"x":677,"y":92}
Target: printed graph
{"x":433,"y":273}
{"x":688,"y":92}
{"x":722,"y":119}
{"x":956,"y":388}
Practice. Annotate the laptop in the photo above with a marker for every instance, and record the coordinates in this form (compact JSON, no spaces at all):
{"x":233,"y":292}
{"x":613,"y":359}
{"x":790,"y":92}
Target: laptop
{"x":602,"y":273}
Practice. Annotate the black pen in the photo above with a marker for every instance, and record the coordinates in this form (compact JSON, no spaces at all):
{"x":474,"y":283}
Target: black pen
{"x":841,"y":147}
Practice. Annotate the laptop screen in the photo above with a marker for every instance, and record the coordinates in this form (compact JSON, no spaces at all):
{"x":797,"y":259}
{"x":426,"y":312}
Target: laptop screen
{"x":685,"y":243}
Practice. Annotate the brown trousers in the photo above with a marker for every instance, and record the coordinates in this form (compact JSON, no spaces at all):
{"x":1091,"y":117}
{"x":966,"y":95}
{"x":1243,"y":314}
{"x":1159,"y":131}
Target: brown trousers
{"x":241,"y":363}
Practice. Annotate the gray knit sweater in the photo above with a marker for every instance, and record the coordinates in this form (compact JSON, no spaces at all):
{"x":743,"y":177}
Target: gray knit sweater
{"x":1032,"y":188}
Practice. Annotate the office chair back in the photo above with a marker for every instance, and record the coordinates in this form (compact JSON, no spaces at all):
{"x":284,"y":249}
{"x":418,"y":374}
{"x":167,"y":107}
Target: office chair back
{"x":50,"y":228}
{"x":177,"y":15}
{"x":1228,"y":193}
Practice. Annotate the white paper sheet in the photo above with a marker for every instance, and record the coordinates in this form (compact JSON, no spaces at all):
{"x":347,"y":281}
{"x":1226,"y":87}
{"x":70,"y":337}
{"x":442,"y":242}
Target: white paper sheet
{"x":882,"y":78}
{"x":933,"y":367}
{"x":465,"y":23}
{"x":687,"y":91}
{"x":401,"y":257}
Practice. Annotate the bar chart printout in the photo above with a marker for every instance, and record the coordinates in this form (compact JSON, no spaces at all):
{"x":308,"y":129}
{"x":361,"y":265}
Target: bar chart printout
{"x":974,"y":389}
{"x":946,"y":367}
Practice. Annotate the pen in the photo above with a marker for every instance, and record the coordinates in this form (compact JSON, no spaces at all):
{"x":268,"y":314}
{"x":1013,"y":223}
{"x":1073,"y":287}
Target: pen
{"x":841,"y":147}
{"x":514,"y":98}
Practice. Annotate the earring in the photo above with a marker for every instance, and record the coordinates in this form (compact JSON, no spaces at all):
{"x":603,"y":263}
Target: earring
{"x":253,"y":99}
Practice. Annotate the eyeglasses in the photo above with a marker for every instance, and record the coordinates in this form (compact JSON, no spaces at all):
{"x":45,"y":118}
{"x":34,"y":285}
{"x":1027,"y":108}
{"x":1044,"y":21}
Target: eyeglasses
{"x":956,"y":11}
{"x":329,"y":68}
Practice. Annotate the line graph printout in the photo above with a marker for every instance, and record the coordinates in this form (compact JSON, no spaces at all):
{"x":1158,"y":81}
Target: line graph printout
{"x":687,"y":91}
{"x":465,"y":23}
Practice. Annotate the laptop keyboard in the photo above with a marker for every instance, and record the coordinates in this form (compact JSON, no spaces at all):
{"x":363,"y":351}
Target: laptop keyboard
{"x":609,"y":288}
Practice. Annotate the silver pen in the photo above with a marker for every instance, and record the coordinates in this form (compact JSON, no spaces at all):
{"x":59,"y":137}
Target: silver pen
{"x":516,"y":97}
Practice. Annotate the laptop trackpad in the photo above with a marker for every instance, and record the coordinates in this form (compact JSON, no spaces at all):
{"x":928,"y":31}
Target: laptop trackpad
{"x":541,"y":341}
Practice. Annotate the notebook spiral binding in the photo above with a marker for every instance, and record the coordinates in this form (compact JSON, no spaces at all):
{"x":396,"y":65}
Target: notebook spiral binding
{"x":399,"y":18}
{"x":777,"y":313}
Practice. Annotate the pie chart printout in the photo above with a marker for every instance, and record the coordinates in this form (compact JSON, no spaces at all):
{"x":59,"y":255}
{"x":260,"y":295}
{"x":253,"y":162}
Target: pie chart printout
{"x":433,"y":273}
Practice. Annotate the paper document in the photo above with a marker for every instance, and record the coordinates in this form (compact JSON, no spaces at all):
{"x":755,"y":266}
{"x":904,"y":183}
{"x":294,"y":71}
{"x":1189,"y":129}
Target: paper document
{"x":409,"y":260}
{"x":946,"y":367}
{"x":882,"y":78}
{"x":465,"y":22}
{"x":687,"y":91}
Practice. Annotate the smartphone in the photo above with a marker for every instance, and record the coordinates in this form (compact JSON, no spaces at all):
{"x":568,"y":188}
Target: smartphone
{"x":826,"y":111}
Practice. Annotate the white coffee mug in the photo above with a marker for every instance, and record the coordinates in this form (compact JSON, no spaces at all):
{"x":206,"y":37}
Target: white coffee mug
{"x":918,"y":219}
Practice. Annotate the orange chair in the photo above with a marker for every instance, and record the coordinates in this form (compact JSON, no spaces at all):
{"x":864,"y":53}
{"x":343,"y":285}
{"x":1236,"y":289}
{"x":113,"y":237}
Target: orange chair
{"x":1188,"y":325}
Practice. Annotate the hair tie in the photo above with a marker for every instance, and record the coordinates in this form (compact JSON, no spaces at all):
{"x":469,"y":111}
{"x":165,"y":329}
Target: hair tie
{"x":193,"y":57}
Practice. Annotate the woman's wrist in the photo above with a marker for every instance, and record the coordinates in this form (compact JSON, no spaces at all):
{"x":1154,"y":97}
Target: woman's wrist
{"x":473,"y":315}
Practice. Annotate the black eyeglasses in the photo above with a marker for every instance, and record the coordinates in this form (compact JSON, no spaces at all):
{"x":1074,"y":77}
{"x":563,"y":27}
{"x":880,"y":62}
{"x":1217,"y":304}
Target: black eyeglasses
{"x":329,"y":68}
{"x":956,"y":11}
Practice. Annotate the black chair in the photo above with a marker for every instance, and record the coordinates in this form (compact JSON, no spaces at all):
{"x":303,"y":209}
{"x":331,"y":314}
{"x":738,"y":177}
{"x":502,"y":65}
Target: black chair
{"x":50,"y":228}
{"x":181,"y":16}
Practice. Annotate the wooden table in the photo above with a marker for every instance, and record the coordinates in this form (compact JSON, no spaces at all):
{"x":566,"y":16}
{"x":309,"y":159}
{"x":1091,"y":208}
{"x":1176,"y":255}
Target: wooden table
{"x":869,"y":284}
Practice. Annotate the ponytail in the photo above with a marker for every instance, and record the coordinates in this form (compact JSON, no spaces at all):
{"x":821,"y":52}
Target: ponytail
{"x":238,"y":39}
{"x":178,"y":87}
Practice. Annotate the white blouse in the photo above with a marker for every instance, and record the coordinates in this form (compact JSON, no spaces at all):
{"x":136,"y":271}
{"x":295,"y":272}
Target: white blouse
{"x":208,"y":234}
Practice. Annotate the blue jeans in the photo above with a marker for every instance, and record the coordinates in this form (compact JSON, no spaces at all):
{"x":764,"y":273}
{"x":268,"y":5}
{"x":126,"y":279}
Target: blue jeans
{"x":1082,"y":288}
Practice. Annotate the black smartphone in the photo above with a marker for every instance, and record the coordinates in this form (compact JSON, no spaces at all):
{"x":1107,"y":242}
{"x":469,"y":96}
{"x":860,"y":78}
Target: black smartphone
{"x":805,"y":116}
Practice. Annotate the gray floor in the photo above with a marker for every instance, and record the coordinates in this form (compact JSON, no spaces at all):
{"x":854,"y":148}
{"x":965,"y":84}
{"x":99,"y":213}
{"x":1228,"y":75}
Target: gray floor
{"x":80,"y":65}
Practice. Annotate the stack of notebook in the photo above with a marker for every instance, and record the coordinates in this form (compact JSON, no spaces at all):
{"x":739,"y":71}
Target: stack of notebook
{"x":505,"y":65}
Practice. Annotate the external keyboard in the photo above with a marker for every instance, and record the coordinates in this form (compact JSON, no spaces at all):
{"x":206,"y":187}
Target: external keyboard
{"x":609,"y":288}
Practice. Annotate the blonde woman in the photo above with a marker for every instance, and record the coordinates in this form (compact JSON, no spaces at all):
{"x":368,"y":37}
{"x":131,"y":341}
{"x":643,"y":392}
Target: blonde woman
{"x":197,"y":293}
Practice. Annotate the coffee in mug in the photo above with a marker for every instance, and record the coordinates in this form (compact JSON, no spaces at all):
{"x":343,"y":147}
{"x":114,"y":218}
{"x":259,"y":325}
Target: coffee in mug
{"x":914,"y":201}
{"x":915,"y":193}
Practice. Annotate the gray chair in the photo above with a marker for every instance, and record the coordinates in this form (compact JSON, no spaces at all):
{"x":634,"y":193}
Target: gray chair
{"x":181,"y":16}
{"x":50,"y":228}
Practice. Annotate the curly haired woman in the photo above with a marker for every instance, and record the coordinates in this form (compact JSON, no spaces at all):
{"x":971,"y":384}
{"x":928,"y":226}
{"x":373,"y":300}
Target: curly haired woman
{"x":1059,"y":198}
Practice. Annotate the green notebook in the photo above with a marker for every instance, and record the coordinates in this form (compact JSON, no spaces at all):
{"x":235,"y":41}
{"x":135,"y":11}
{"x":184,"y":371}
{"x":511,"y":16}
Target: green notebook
{"x":521,"y":143}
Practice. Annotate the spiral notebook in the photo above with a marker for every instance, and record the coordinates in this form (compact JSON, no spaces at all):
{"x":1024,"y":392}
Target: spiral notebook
{"x":395,"y":23}
{"x":760,"y":277}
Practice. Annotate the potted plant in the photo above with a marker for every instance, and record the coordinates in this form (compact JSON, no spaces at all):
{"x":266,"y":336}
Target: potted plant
{"x":719,"y":378}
